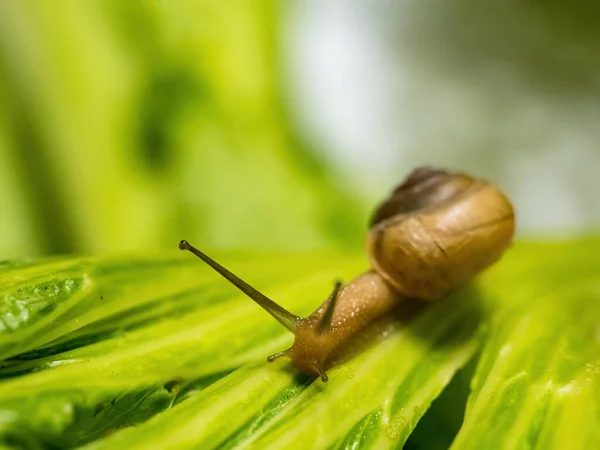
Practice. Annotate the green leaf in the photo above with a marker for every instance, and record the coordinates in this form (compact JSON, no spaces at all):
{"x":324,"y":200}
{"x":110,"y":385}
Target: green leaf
{"x":538,"y":382}
{"x":162,"y":353}
{"x":377,"y":392}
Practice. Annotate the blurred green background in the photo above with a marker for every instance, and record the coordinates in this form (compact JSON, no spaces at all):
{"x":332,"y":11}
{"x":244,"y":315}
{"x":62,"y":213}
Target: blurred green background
{"x":127,"y":126}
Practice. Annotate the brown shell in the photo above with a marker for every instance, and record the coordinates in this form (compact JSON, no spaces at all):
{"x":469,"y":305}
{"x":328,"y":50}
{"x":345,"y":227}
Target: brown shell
{"x":438,"y":230}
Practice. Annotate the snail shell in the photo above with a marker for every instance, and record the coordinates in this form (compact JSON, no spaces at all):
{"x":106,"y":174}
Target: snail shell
{"x":437,"y":230}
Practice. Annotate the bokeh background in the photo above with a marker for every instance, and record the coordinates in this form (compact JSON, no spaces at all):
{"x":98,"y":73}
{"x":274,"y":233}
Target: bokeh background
{"x":126,"y":126}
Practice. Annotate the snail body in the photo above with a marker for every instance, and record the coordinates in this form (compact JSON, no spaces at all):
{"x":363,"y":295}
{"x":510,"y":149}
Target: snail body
{"x":434,"y":233}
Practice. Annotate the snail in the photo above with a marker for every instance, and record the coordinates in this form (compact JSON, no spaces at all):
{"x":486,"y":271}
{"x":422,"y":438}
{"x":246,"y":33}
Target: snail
{"x":436,"y":231}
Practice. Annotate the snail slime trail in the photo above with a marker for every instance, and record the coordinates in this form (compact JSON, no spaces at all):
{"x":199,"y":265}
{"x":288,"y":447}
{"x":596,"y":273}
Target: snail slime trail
{"x":435,"y":232}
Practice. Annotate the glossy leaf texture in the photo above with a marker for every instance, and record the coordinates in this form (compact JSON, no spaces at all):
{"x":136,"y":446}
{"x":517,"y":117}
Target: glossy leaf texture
{"x":162,"y":353}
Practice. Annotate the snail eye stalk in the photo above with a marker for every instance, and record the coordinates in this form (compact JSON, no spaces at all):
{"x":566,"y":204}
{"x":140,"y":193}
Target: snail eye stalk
{"x":282,"y":315}
{"x":325,"y":322}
